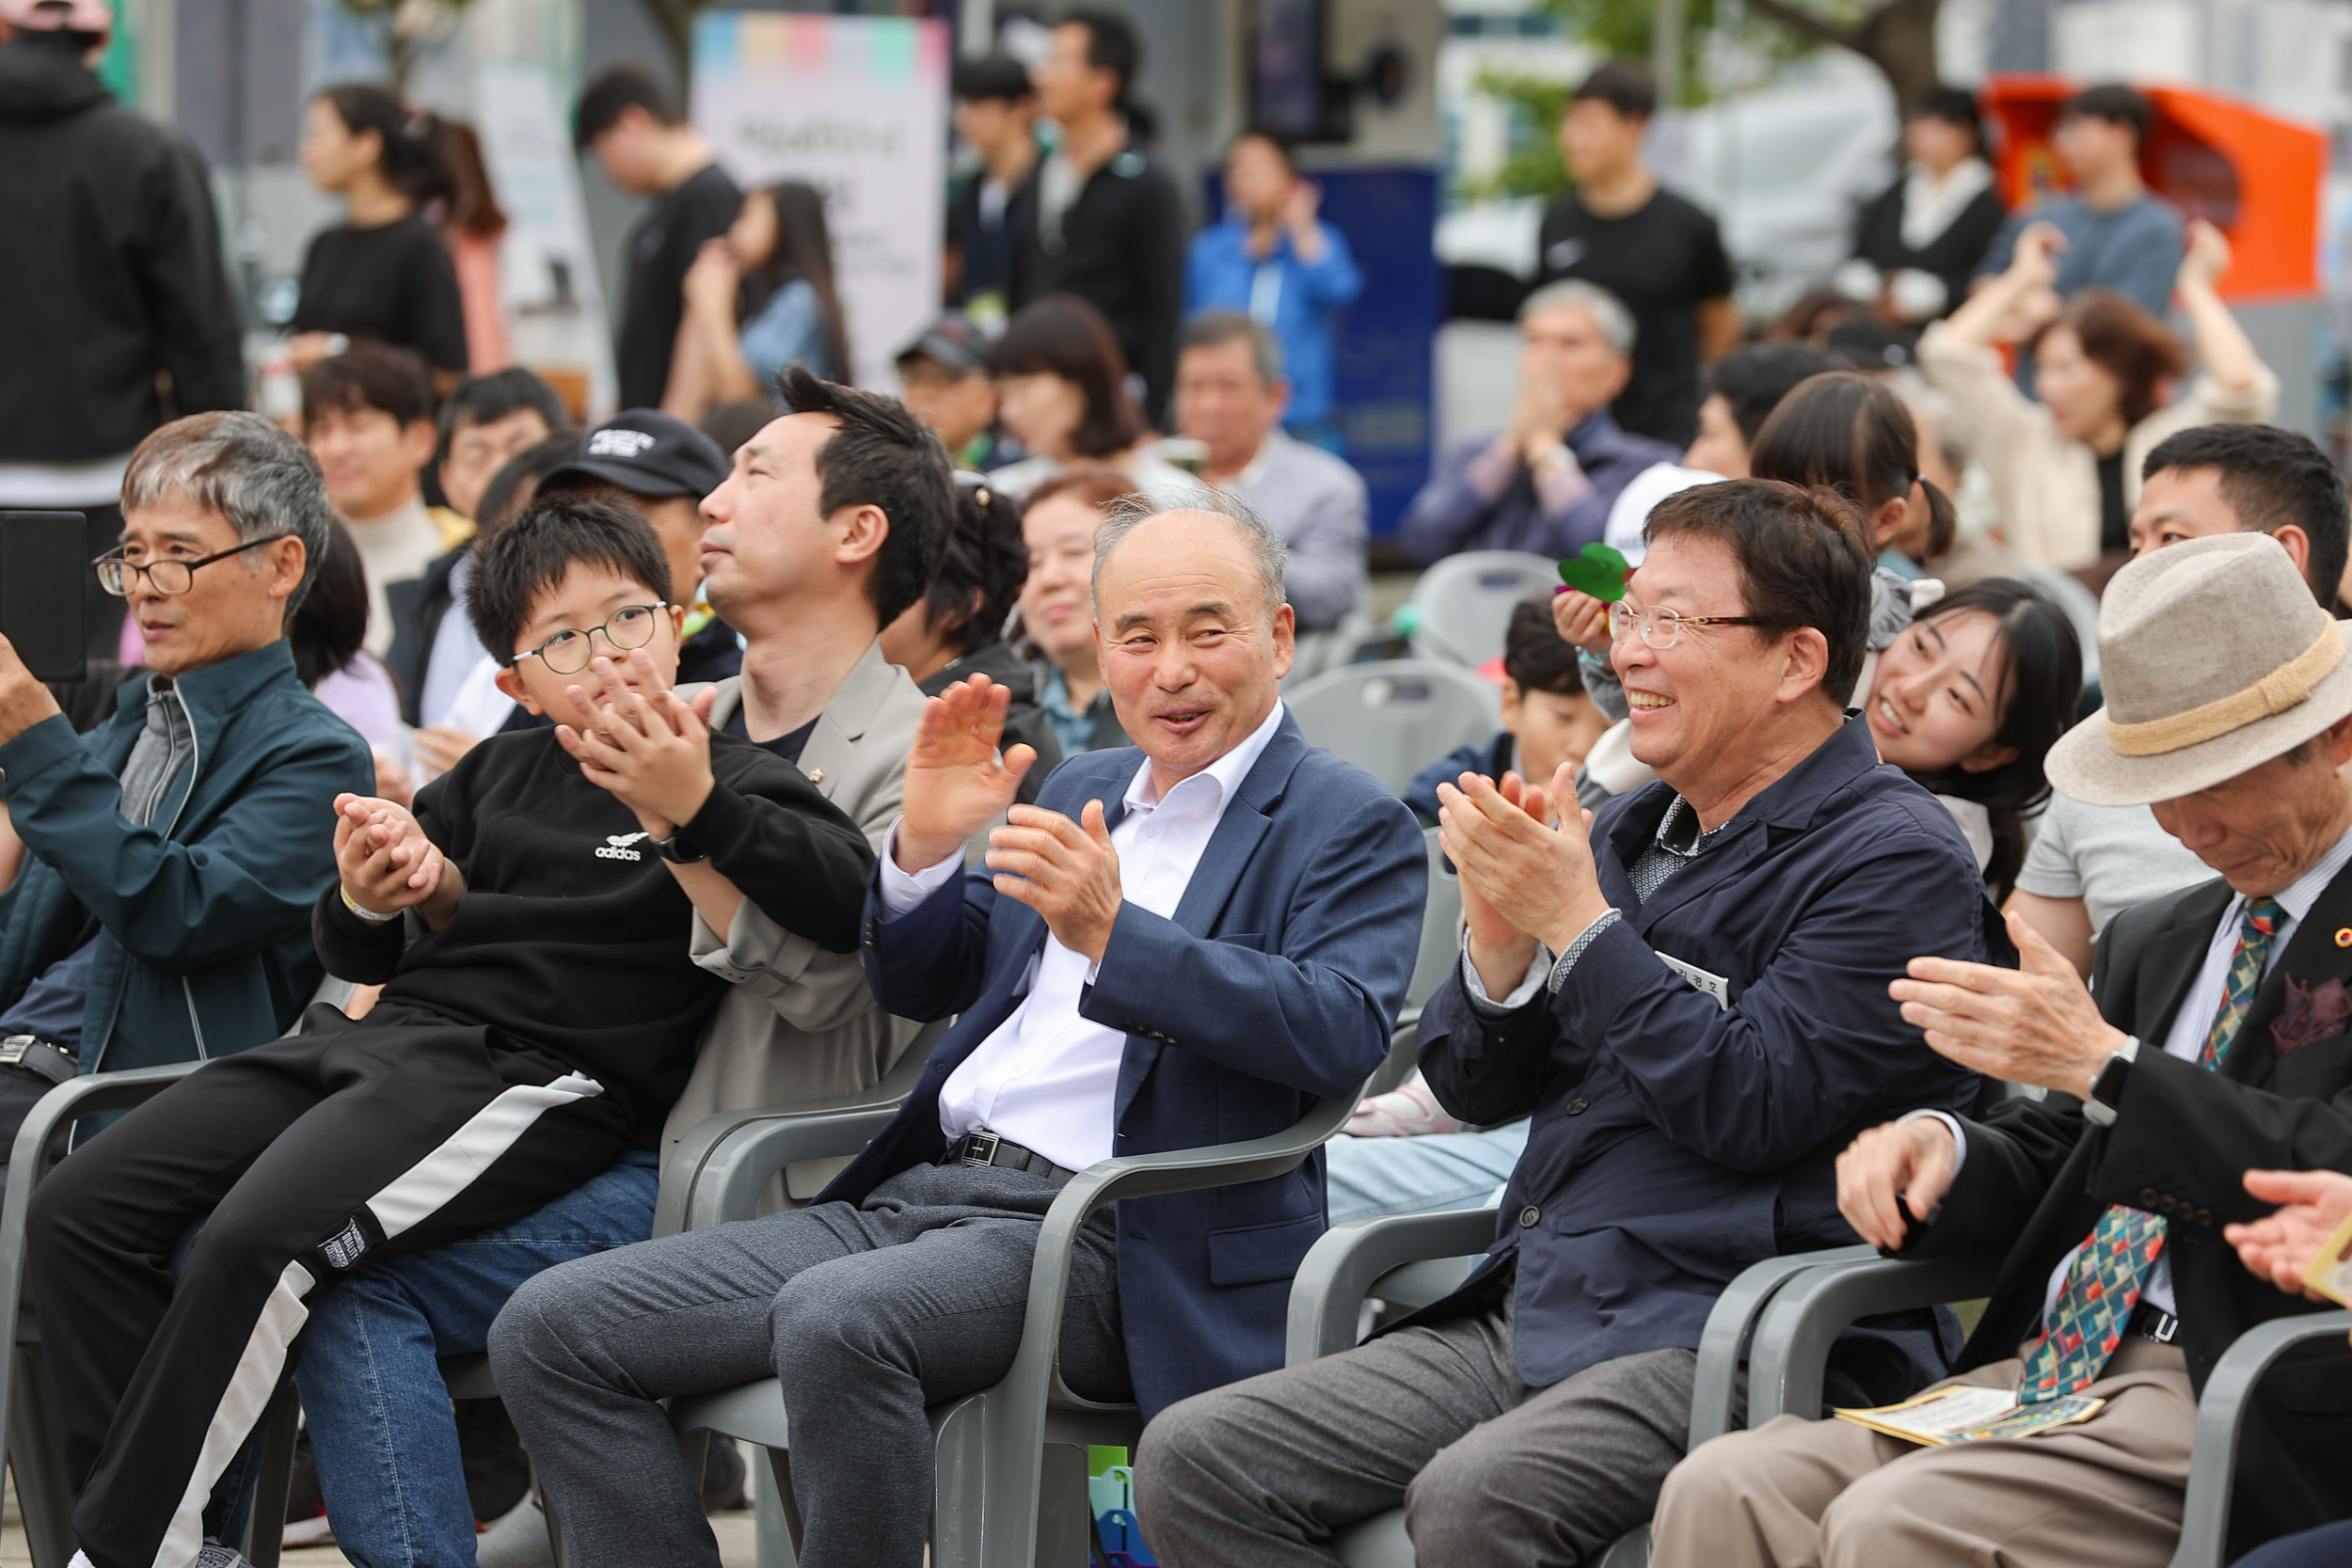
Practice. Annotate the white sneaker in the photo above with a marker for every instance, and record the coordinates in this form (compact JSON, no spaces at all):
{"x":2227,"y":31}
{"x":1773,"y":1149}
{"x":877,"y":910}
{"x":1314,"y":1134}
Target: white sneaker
{"x":308,"y":1532}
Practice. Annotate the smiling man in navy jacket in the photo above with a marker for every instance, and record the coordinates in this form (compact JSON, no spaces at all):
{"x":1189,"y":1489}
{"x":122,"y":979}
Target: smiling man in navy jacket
{"x":1691,"y":1002}
{"x":1184,"y":953}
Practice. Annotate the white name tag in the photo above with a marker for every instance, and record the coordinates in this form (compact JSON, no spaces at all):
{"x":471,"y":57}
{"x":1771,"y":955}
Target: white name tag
{"x":1713,"y":985}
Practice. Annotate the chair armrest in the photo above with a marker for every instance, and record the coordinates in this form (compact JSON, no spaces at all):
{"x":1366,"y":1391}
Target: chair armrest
{"x":683,"y":1174}
{"x":727,"y":1185}
{"x":92,"y":1094}
{"x":2212,"y":1465}
{"x":1799,"y":1324}
{"x":1714,"y":1397}
{"x":1339,"y":1270}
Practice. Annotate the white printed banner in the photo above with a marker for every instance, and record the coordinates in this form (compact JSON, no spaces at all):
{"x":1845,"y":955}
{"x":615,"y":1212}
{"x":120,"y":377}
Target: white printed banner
{"x":857,"y":106}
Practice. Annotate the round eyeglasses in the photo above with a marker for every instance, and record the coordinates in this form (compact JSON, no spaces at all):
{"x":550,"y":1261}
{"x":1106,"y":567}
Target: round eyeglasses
{"x":166,"y":576}
{"x":568,"y":651}
{"x":1663,"y":629}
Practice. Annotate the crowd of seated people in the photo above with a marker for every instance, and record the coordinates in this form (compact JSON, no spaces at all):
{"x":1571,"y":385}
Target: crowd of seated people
{"x":639,"y":775}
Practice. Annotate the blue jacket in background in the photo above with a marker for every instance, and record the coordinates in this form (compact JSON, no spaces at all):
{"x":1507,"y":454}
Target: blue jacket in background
{"x":1675,"y":1141}
{"x":204,"y":944}
{"x":1492,"y":760}
{"x":1299,"y":302}
{"x":2136,"y":249}
{"x":1275,"y":985}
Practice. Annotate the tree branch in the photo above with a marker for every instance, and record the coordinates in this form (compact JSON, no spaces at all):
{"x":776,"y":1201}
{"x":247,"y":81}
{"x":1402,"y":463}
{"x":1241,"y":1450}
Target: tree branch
{"x":1797,"y":19}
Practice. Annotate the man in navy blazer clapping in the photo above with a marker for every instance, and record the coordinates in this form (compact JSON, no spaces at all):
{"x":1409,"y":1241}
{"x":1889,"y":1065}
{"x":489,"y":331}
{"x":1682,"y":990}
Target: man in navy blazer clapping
{"x":1180,"y":945}
{"x":1689,"y":998}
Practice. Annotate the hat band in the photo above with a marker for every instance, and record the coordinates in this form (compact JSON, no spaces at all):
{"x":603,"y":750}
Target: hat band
{"x":2280,"y":689}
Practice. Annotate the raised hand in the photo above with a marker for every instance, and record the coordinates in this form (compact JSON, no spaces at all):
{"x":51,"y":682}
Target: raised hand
{"x":383,"y":856}
{"x":1912,"y":1161}
{"x":645,"y":745}
{"x":2204,"y":259}
{"x":1582,"y":621}
{"x":1067,"y":871}
{"x":1538,"y":877}
{"x":956,"y":780}
{"x":2034,"y":263}
{"x":2033,"y":1025}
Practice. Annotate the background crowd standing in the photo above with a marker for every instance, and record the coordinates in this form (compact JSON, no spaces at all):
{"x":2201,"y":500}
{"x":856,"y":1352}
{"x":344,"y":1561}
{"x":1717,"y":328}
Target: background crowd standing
{"x":689,"y":763}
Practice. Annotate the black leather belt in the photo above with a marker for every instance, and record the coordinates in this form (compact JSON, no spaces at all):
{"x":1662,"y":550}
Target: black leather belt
{"x":987,"y":1149}
{"x":46,"y":1058}
{"x":2153,"y":1323}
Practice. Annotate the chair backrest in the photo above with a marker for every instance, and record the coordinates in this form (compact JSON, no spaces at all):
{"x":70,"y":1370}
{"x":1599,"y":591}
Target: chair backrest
{"x":1440,"y":926}
{"x":1397,"y":717}
{"x":1465,"y":602}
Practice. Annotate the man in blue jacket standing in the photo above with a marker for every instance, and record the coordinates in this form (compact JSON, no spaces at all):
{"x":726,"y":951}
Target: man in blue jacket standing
{"x":161,"y":911}
{"x":1187,"y":952}
{"x":1290,"y":272}
{"x":1690,"y":998}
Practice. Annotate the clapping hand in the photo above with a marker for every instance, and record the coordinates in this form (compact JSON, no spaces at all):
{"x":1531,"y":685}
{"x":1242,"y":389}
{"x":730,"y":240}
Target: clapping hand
{"x":956,"y":780}
{"x":386,"y":862}
{"x":2033,"y":1024}
{"x":645,"y":743}
{"x":1524,"y":878}
{"x":2280,"y":1246}
{"x":1067,"y":871}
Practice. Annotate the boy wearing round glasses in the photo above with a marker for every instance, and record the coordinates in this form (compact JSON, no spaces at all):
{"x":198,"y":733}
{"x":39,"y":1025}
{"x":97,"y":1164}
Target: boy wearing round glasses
{"x":529,"y":922}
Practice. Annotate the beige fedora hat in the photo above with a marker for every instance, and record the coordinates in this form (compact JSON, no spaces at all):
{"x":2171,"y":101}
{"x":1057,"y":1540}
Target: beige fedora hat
{"x":2215,"y":660}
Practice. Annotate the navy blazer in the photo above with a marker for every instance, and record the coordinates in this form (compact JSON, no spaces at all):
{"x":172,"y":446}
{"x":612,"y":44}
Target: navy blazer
{"x":1675,"y":1141}
{"x":1276,"y":984}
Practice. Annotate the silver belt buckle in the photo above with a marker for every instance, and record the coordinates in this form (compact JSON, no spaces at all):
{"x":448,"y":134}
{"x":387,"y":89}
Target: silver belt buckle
{"x":13,"y":1047}
{"x":2164,"y":1329}
{"x":980,"y":1149}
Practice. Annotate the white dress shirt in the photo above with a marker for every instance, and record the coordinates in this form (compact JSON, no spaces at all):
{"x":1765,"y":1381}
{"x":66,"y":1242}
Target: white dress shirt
{"x":2191,"y":1022}
{"x":1048,"y":1078}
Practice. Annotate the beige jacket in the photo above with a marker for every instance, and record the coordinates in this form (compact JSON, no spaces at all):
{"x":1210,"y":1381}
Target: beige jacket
{"x":2047,"y":484}
{"x":800,"y":1022}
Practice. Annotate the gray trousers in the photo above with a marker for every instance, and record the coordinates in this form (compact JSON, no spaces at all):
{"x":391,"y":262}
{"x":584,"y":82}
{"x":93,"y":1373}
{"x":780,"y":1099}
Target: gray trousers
{"x":866,"y":1313}
{"x":1263,"y":1473}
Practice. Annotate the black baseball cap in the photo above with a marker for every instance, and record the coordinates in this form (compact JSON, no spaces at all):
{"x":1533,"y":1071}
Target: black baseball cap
{"x":951,"y":343}
{"x":645,"y":452}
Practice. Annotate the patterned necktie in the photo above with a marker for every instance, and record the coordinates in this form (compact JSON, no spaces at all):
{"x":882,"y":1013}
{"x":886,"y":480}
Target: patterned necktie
{"x":2103,"y":1282}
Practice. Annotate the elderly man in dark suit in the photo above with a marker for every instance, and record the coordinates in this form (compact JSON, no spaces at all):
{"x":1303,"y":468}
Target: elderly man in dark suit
{"x":1187,"y":952}
{"x":2217,"y":1042}
{"x":1690,"y":999}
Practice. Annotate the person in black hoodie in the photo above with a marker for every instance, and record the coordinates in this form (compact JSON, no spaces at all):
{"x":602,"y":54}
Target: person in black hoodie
{"x":956,"y":629}
{"x":540,"y":1012}
{"x":115,"y":283}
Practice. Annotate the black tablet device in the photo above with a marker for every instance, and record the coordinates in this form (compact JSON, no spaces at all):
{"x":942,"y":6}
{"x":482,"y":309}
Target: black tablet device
{"x":42,"y":593}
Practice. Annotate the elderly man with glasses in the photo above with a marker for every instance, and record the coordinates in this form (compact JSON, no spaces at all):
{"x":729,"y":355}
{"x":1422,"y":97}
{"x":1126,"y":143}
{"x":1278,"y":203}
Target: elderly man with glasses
{"x":165,"y":864}
{"x":1688,"y":994}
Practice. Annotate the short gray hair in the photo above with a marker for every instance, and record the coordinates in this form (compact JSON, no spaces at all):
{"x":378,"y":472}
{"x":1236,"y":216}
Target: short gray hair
{"x":1608,"y":311}
{"x":1267,"y":551}
{"x":241,"y":466}
{"x":1216,"y":329}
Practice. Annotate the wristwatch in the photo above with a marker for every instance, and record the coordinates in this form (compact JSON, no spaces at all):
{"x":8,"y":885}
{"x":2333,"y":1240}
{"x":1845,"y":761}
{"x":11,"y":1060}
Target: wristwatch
{"x":679,"y":850}
{"x":2107,"y":1090}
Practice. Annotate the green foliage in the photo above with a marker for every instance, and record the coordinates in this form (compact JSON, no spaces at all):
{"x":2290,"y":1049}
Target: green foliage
{"x":1612,"y":27}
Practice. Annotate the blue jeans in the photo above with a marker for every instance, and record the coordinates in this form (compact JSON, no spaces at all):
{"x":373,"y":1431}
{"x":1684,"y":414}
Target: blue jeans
{"x":1373,"y":1177}
{"x":371,"y":1380}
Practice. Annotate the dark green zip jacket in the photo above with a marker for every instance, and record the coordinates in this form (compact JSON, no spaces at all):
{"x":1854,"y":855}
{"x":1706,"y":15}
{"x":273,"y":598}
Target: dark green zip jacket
{"x":204,"y":944}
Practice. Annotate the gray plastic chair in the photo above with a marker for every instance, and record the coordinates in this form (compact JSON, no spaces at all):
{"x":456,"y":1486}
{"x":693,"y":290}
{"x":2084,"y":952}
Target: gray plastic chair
{"x":1791,"y":1351}
{"x":29,"y":1441}
{"x":1395,"y":718}
{"x":1011,"y":1463}
{"x":1418,"y":1259}
{"x":1465,"y":602}
{"x":1441,"y":930}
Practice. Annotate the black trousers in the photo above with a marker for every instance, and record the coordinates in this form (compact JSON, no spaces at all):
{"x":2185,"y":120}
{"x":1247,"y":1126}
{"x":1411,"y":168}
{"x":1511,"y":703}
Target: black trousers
{"x":303,"y":1159}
